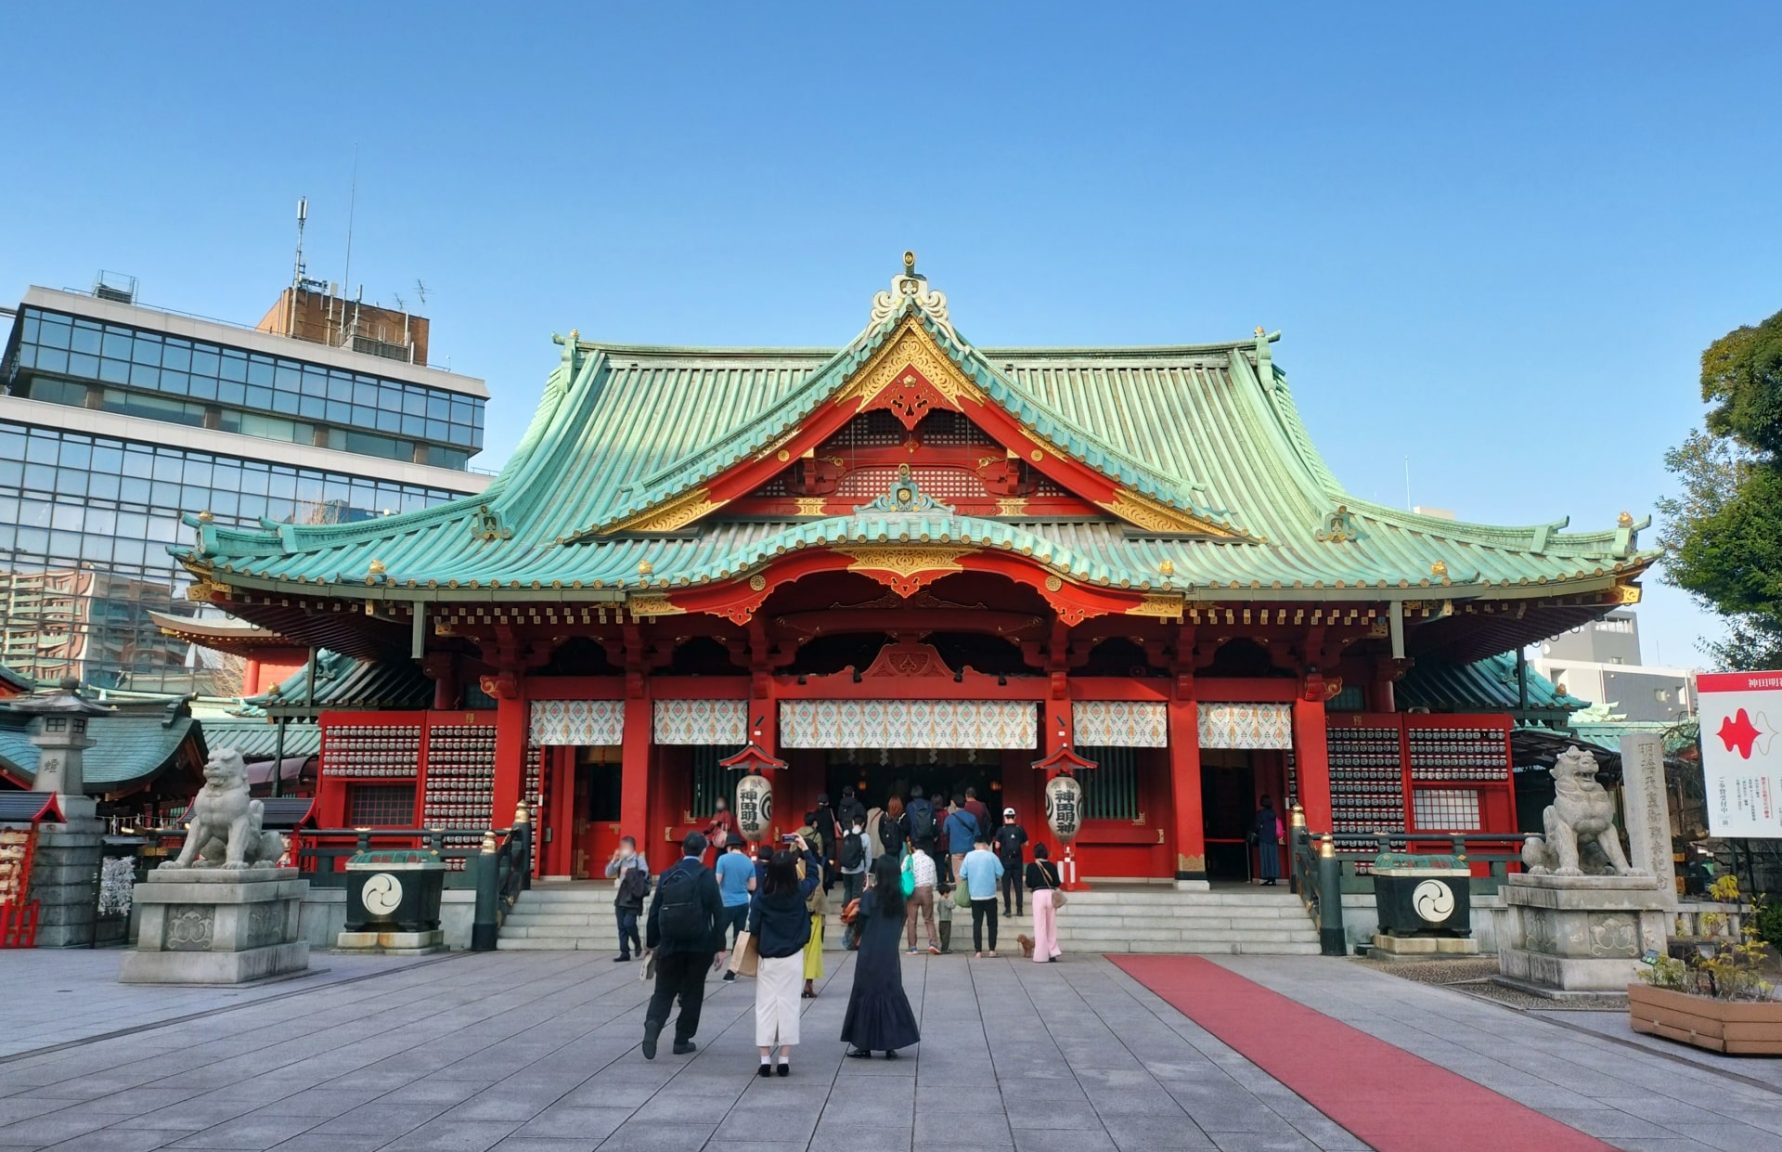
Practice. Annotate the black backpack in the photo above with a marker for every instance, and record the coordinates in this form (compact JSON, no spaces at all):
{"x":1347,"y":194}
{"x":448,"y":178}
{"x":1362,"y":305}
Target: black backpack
{"x":891,"y":834}
{"x":633,"y":887}
{"x":852,"y":854}
{"x":681,"y":917}
{"x":921,"y":821}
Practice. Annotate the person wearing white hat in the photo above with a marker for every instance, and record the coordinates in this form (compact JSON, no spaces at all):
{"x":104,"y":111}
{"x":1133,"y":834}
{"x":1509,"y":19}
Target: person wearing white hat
{"x":1011,"y":844}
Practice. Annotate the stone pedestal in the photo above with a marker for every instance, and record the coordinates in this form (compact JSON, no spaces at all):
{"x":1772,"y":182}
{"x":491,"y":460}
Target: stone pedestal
{"x":1579,"y":935}
{"x":1422,"y":947}
{"x":65,"y":877}
{"x":392,"y":943}
{"x":217,"y":926}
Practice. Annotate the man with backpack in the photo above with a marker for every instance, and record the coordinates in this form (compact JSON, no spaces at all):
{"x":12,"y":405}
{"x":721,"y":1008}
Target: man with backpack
{"x":922,"y":825}
{"x":632,"y":874}
{"x":963,"y":832}
{"x":684,"y":933}
{"x":855,"y":857}
{"x":1010,"y":842}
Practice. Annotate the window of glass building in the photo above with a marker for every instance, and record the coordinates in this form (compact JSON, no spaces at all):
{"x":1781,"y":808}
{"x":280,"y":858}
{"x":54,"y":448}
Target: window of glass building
{"x":291,"y":396}
{"x":85,"y":524}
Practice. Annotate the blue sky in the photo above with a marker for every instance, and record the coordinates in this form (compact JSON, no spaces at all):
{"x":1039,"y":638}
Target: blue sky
{"x":1496,"y":239}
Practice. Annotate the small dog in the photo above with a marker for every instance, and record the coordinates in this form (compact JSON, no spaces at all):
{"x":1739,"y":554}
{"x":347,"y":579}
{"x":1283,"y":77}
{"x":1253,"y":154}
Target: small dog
{"x":1026,"y":943}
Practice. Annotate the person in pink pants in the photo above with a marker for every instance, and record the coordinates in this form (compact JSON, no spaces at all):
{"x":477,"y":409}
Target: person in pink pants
{"x":1042,"y":881}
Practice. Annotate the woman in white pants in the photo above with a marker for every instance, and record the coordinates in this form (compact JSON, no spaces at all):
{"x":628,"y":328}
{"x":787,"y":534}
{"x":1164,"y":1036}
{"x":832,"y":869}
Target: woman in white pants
{"x":780,"y":926}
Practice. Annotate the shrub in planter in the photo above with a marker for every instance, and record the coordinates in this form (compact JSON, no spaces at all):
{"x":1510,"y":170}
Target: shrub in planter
{"x":1716,"y":999}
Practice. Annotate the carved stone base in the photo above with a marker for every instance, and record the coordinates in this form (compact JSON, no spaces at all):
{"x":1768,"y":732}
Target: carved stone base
{"x":1569,"y":935}
{"x":212,"y":926}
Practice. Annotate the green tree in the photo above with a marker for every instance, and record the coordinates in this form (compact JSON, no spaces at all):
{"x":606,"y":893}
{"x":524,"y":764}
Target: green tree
{"x":1722,"y":534}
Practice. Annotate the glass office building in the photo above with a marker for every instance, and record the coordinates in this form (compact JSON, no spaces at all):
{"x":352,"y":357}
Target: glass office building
{"x":116,"y":418}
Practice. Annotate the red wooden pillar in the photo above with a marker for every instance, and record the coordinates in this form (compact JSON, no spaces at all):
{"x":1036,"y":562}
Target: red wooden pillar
{"x":1184,"y":781}
{"x":511,"y":716}
{"x":1311,"y":746}
{"x":559,"y":854}
{"x":635,"y":745}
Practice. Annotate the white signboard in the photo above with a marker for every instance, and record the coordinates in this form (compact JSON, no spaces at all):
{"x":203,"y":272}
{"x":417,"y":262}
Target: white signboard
{"x":1741,"y":716}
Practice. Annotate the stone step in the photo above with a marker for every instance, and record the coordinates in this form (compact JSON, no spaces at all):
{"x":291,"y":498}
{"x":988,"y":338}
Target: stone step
{"x":508,"y":943}
{"x":1156,"y":920}
{"x":1167,"y":931}
{"x":1200,"y":948}
{"x":1189,"y":911}
{"x":525,"y":915}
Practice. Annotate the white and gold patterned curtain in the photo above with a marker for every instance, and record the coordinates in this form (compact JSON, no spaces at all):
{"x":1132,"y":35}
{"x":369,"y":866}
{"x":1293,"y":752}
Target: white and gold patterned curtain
{"x":721,"y":722}
{"x":908,"y":724}
{"x":1120,"y":723}
{"x":584,"y":723}
{"x":1245,"y":726}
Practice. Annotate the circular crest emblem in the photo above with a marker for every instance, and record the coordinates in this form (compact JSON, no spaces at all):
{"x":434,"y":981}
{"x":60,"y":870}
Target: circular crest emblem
{"x":381,"y":894}
{"x":1433,"y":901}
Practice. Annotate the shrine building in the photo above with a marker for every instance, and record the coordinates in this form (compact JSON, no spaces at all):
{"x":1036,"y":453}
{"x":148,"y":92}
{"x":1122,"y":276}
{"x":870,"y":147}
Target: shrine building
{"x":918,"y":561}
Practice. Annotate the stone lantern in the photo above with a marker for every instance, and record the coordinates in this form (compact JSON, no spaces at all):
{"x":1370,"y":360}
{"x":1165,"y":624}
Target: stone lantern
{"x":60,"y":733}
{"x":65,"y":866}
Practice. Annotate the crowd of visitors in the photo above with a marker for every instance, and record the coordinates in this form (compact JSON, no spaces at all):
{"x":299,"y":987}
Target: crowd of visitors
{"x":904,"y":869}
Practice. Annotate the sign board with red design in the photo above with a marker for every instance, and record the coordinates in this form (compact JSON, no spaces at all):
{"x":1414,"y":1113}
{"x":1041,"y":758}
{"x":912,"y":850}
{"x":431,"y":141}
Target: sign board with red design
{"x":1741,"y":715}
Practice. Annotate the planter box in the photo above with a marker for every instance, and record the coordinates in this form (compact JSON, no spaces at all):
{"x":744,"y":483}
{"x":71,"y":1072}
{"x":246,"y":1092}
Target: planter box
{"x":1736,"y":1027}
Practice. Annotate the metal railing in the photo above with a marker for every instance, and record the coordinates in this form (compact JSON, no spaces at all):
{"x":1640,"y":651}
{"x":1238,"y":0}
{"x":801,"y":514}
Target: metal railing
{"x":497,"y":869}
{"x":1322,"y":875}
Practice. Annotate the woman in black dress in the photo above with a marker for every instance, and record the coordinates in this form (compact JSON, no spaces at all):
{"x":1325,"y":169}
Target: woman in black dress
{"x":879,"y":1018}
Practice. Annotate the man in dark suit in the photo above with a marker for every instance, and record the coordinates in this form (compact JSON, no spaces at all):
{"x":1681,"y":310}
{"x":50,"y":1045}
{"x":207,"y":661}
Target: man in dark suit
{"x":683,"y":939}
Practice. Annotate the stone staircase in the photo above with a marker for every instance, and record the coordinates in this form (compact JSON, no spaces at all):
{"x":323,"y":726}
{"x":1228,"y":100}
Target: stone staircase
{"x":562,"y":918}
{"x":1139,"y":918}
{"x":1107,"y":918}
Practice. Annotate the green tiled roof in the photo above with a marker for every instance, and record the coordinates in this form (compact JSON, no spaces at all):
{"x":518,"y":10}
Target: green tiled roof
{"x":128,"y":748}
{"x":1487,"y":685}
{"x":258,"y":739}
{"x":1211,"y":430}
{"x":343,"y":683}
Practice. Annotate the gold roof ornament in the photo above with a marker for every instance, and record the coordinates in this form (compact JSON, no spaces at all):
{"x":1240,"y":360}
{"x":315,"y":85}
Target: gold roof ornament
{"x":1260,"y":332}
{"x":1167,"y":568}
{"x":644,"y":567}
{"x":909,"y":262}
{"x":377,"y":568}
{"x":1439,"y":569}
{"x":206,"y":516}
{"x":1625,"y":520}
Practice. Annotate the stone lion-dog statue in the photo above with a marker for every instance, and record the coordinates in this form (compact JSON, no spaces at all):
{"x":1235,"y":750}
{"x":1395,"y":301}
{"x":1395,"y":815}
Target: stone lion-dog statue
{"x":1580,"y":825}
{"x":223,"y":825}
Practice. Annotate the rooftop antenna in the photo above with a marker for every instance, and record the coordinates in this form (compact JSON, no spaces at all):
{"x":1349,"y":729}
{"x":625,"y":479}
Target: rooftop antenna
{"x":421,"y":291}
{"x":297,"y":268}
{"x":346,"y":276}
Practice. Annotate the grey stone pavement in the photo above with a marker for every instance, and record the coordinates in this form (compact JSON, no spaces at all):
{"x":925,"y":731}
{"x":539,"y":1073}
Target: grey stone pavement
{"x":74,"y":995}
{"x":537,"y":1052}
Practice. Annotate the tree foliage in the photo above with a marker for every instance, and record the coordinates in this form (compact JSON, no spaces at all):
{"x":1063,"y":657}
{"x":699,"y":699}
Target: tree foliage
{"x":1722,"y":533}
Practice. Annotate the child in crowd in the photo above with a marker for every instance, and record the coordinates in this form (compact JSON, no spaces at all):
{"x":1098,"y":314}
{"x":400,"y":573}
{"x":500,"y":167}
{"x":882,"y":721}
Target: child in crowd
{"x":943,"y":916}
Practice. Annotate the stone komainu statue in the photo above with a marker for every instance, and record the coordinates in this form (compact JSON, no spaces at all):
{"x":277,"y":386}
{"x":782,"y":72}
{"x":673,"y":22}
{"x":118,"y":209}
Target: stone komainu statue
{"x":1580,"y":825}
{"x":223,"y":826}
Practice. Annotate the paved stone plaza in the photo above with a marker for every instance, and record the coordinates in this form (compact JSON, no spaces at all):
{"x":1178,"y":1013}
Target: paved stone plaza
{"x":537,"y":1052}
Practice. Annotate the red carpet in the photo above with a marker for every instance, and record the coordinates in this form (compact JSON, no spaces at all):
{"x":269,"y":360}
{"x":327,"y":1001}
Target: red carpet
{"x":1393,"y":1100}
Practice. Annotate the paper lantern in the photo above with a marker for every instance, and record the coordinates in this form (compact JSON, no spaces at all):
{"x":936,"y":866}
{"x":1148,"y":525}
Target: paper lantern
{"x":754,"y":807}
{"x":1064,"y":807}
